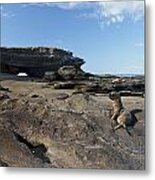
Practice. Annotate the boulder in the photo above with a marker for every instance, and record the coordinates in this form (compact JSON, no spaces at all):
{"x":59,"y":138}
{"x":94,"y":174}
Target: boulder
{"x":67,"y":72}
{"x":50,"y":76}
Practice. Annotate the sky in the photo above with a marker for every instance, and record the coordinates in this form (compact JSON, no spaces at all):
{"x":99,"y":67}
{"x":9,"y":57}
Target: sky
{"x":109,"y":36}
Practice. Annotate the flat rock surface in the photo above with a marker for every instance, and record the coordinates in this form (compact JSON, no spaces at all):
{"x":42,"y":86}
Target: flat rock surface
{"x":38,"y":129}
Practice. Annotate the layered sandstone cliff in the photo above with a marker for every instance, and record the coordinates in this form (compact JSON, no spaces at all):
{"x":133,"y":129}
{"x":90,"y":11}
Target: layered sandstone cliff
{"x":35,"y":61}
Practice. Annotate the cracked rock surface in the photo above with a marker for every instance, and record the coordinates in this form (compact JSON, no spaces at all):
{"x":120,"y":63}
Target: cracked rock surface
{"x":38,"y":129}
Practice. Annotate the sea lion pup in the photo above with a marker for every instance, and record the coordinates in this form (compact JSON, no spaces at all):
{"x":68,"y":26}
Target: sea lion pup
{"x":124,"y":118}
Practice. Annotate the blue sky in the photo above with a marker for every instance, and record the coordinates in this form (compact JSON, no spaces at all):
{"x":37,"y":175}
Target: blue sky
{"x":108,"y":35}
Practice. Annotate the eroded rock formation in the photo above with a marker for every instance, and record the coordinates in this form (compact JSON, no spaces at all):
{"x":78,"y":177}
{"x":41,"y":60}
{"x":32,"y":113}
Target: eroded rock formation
{"x":36,"y":61}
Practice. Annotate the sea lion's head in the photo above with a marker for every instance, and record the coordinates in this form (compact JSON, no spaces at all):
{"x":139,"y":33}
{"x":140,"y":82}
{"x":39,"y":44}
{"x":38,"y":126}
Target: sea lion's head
{"x":114,"y":95}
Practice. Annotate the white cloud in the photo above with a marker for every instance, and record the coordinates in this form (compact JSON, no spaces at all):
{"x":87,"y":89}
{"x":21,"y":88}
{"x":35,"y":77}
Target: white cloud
{"x":108,"y":12}
{"x":117,"y":11}
{"x":66,"y":6}
{"x":71,"y":5}
{"x":105,"y":12}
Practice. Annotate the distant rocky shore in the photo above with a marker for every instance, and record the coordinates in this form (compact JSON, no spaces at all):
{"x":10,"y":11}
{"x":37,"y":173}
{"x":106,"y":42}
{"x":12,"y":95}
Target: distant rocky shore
{"x":64,"y":70}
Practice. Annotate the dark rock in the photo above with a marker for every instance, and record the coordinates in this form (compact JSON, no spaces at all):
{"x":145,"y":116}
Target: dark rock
{"x":35,"y":96}
{"x":80,"y":75}
{"x":15,"y":154}
{"x":4,"y":89}
{"x":130,"y":93}
{"x":67,"y":72}
{"x":36,"y":61}
{"x":50,"y":76}
{"x":4,"y":96}
{"x":62,"y":96}
{"x":3,"y":164}
{"x":65,"y":85}
{"x":38,"y":151}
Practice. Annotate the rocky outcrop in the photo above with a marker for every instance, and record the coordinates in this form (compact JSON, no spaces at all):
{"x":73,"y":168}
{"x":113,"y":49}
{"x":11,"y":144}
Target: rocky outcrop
{"x":67,"y":72}
{"x":71,"y":73}
{"x":129,"y":88}
{"x":36,"y":61}
{"x":44,"y":127}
